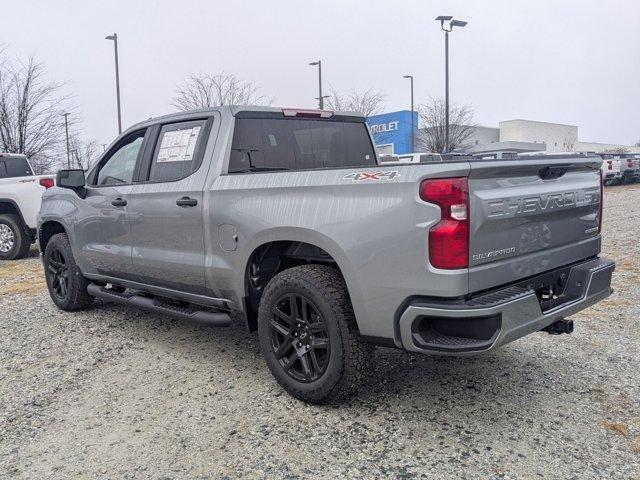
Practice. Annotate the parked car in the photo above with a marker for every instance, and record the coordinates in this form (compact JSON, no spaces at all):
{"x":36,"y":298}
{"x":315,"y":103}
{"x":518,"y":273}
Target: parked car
{"x":286,"y":217}
{"x":611,"y":172}
{"x":20,"y":196}
{"x":629,"y":167}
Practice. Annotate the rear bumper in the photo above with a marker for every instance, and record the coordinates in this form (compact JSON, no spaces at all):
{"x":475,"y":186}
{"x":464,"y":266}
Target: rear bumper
{"x":499,"y":317}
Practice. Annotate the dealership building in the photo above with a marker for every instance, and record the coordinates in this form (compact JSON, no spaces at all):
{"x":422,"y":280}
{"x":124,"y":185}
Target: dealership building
{"x":392,"y":133}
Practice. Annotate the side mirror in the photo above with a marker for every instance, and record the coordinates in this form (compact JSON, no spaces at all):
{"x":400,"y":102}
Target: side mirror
{"x":72,"y":179}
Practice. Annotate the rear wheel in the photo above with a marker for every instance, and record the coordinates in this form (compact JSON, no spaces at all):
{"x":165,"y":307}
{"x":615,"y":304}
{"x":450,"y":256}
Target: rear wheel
{"x":14,"y":241}
{"x":309,"y":337}
{"x":67,"y":286}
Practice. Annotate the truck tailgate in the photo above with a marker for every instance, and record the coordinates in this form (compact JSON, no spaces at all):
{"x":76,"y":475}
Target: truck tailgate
{"x":531,"y":215}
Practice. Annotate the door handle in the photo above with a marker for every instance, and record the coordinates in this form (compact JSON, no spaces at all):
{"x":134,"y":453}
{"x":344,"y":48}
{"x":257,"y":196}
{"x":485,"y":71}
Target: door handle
{"x":119,"y":202}
{"x":186,"y":202}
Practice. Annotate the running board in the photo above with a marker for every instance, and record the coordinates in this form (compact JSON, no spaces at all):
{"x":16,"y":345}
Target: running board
{"x":157,"y":305}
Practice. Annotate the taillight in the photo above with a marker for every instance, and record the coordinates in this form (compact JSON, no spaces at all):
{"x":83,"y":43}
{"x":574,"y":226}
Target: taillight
{"x":601,"y":203}
{"x":47,"y":182}
{"x":629,"y":163}
{"x":449,"y":238}
{"x":610,"y":163}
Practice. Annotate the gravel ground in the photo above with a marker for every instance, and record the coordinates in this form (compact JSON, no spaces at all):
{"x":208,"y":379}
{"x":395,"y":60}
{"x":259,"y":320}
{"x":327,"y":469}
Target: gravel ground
{"x":115,"y":393}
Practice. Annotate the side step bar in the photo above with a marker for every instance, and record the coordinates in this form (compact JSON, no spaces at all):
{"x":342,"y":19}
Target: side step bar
{"x":157,"y":305}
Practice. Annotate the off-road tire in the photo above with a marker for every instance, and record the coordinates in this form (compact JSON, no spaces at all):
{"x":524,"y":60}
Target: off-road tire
{"x":76,"y":297}
{"x":22,"y":242}
{"x":349,"y":357}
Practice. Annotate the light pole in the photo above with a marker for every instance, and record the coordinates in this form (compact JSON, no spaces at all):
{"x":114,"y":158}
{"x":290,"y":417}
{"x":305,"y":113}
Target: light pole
{"x":114,"y":37}
{"x":66,"y":131}
{"x":413,"y":127}
{"x":320,"y":97}
{"x":451,"y":23}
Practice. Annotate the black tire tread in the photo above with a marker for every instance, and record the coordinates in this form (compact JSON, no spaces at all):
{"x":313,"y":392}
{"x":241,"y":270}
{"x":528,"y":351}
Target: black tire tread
{"x":357,"y":354}
{"x":79,"y":299}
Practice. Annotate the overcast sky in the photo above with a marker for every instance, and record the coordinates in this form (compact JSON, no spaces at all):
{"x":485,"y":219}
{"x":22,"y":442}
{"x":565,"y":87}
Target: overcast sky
{"x":564,"y":61}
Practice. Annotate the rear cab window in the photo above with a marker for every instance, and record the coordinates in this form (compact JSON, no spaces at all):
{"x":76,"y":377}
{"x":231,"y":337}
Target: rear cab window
{"x":13,"y":167}
{"x":264,"y":144}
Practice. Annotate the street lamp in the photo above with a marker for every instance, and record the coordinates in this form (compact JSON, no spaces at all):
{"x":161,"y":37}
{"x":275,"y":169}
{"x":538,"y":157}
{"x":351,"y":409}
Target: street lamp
{"x":66,"y":131}
{"x":450,"y":24}
{"x":114,"y":37}
{"x":320,"y":96}
{"x":413,"y":127}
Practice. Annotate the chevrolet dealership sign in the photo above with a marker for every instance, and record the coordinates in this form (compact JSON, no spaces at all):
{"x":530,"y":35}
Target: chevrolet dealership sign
{"x":393,"y":129}
{"x":384,"y":127}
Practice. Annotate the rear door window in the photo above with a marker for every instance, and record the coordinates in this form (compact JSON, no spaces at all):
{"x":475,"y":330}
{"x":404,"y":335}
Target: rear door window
{"x":178,"y":152}
{"x":297,"y":144}
{"x":15,"y":167}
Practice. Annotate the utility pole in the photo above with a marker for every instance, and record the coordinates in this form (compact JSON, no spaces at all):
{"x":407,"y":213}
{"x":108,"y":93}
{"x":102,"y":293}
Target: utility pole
{"x":451,"y":23}
{"x":114,"y":37}
{"x":413,"y":126}
{"x":66,"y":131}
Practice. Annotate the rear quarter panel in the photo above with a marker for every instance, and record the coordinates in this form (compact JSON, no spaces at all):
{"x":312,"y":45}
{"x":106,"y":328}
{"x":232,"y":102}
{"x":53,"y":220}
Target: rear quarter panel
{"x":376,"y":230}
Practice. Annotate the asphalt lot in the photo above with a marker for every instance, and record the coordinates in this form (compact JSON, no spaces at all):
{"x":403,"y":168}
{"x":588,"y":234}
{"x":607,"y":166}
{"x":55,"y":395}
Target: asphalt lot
{"x":116,"y":393}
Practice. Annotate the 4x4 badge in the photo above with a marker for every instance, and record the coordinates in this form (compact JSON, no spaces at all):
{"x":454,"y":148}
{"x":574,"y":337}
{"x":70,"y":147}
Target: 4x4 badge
{"x":372,"y":176}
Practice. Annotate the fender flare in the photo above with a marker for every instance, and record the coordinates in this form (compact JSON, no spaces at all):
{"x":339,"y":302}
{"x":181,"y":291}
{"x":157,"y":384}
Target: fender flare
{"x":15,"y":205}
{"x":303,"y":235}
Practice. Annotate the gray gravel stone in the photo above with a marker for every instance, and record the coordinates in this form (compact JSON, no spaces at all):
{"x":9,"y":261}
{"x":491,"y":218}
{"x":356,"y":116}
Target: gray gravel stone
{"x":116,"y":393}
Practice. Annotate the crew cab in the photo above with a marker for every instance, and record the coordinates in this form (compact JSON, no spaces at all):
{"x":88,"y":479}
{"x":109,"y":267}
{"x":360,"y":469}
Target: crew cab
{"x":286,"y":218}
{"x":20,"y":196}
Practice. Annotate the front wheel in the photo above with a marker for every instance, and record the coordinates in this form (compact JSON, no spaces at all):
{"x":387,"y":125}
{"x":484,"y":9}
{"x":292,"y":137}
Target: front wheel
{"x":309,"y":337}
{"x":67,"y":287}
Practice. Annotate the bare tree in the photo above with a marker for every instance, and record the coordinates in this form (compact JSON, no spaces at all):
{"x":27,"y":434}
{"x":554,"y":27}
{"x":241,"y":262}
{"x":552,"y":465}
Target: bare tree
{"x":84,"y":154}
{"x":203,"y":91}
{"x":369,"y":102}
{"x":568,"y":145}
{"x":31,"y":109}
{"x":432,"y":117}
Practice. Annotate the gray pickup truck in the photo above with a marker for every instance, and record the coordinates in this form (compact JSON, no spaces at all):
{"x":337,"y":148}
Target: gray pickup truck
{"x":285,"y":218}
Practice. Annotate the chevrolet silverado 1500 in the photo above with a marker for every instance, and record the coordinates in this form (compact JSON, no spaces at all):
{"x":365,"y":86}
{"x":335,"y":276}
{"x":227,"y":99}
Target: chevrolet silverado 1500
{"x":286,"y":217}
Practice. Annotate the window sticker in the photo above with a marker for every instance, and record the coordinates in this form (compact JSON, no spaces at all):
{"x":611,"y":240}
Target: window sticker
{"x":272,"y":140}
{"x":178,"y":145}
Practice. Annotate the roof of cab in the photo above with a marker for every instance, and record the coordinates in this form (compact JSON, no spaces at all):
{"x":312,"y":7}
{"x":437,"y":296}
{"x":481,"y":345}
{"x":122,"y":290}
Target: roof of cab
{"x":232,"y":109}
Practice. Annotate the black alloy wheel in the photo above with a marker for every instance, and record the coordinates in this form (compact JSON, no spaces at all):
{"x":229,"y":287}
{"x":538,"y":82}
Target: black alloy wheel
{"x":299,"y":338}
{"x":58,"y":274}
